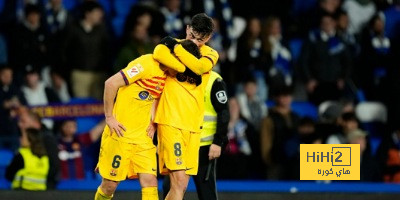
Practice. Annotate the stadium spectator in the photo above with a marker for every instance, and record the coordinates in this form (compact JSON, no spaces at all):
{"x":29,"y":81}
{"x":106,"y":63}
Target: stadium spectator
{"x":326,"y":63}
{"x":36,"y":93}
{"x":86,"y":50}
{"x":233,"y":163}
{"x":57,"y":17}
{"x":278,"y":69}
{"x":27,"y":119}
{"x":174,"y":25}
{"x":360,"y":12}
{"x":309,"y":20}
{"x":280,"y":125}
{"x":137,"y":41}
{"x":29,"y":168}
{"x":348,"y":123}
{"x":60,"y":86}
{"x":369,"y":171}
{"x":251,"y":107}
{"x":28,"y":45}
{"x":376,"y":60}
{"x":10,"y":99}
{"x":389,"y":156}
{"x":342,"y":27}
{"x":70,"y":148}
{"x":305,"y":134}
{"x":249,"y":50}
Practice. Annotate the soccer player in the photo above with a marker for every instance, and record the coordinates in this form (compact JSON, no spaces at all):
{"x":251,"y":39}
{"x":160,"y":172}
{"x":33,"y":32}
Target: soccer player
{"x":127,"y":151}
{"x":180,"y":111}
{"x":213,"y":138}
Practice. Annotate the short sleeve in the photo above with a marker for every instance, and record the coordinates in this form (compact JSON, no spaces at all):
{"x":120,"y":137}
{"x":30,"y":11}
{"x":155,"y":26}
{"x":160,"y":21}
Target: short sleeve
{"x":133,"y":72}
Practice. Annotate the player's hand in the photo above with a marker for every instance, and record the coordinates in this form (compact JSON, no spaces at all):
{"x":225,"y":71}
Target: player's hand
{"x":215,"y":152}
{"x":151,"y":129}
{"x":115,"y":126}
{"x":169,"y":42}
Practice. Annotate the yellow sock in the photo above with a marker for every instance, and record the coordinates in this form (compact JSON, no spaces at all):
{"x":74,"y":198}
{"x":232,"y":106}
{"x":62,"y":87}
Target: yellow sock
{"x":150,"y":193}
{"x":101,"y":196}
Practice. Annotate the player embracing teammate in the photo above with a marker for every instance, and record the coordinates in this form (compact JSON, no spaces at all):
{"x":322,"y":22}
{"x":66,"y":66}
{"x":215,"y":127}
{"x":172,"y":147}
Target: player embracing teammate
{"x":176,"y":73}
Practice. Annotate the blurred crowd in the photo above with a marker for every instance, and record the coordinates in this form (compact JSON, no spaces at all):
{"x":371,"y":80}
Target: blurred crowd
{"x":340,"y":56}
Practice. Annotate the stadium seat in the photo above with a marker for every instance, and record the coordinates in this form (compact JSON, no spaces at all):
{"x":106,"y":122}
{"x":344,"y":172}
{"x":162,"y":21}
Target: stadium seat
{"x":107,"y":6}
{"x":1,"y":5}
{"x":118,"y":25}
{"x":374,"y":143}
{"x":295,"y":48}
{"x":70,"y":4}
{"x":392,"y":28}
{"x":302,"y":6}
{"x":305,"y":109}
{"x":5,"y":159}
{"x":122,"y":7}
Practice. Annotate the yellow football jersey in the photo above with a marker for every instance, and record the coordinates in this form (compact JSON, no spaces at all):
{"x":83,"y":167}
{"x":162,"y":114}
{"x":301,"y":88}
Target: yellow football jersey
{"x":144,"y":81}
{"x":182,"y":104}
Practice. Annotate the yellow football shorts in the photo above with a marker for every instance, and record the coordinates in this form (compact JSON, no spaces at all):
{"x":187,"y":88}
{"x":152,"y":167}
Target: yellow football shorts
{"x":177,"y":150}
{"x":119,"y":160}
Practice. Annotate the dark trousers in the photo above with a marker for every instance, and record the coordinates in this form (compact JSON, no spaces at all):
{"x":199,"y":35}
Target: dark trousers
{"x":205,"y":180}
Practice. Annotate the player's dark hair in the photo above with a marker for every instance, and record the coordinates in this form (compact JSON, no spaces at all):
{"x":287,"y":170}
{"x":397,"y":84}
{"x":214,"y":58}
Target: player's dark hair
{"x":89,"y":6}
{"x":202,"y":24}
{"x":191,"y":47}
{"x":36,"y":142}
{"x":31,"y":8}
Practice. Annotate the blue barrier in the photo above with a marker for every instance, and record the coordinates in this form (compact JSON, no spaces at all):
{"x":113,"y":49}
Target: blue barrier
{"x":247,"y":186}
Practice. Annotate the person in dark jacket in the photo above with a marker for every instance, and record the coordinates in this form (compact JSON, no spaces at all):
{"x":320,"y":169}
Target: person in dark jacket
{"x":277,"y":129}
{"x":86,"y":51}
{"x":326,"y":62}
{"x":10,"y":99}
{"x":28,"y":44}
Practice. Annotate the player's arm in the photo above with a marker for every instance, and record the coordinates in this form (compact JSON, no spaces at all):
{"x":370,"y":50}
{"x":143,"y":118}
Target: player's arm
{"x":163,"y":55}
{"x":219,"y":100}
{"x":111,"y":87}
{"x":199,"y":66}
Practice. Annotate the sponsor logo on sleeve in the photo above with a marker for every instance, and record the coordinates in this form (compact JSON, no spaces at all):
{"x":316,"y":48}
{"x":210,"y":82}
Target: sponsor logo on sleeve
{"x":135,"y":70}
